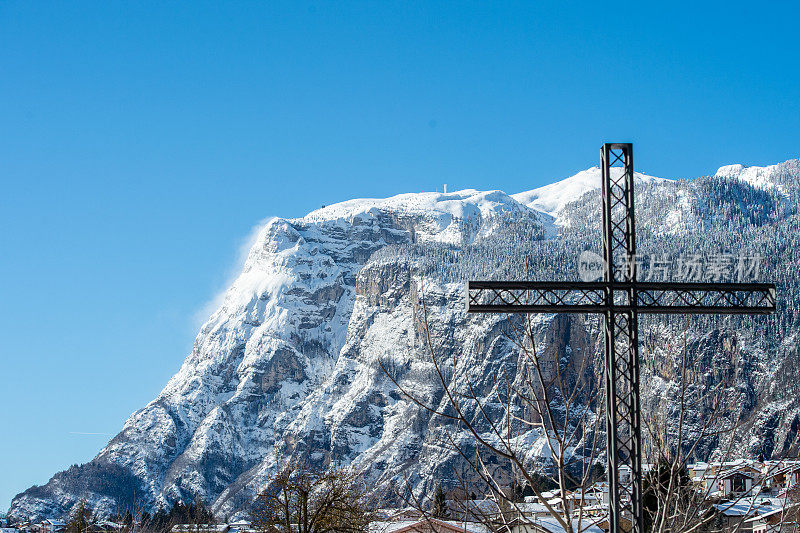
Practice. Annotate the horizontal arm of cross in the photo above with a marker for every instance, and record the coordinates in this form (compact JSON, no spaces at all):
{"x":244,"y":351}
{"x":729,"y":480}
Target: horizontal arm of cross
{"x":600,"y":296}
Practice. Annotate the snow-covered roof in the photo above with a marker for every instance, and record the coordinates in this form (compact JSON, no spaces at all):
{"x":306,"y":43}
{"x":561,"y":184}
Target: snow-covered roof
{"x":442,"y":526}
{"x":782,"y":469}
{"x":200,"y":527}
{"x":109,"y":524}
{"x":481,"y":506}
{"x":772,"y":513}
{"x":530,"y":507}
{"x":585,"y":525}
{"x":743,"y":508}
{"x":744,"y":469}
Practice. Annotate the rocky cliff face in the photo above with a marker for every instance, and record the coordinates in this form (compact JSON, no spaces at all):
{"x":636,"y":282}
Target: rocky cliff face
{"x":294,"y":361}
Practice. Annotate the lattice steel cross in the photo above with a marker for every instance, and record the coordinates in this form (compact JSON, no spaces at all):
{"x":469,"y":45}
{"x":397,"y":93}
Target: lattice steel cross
{"x":620,"y":298}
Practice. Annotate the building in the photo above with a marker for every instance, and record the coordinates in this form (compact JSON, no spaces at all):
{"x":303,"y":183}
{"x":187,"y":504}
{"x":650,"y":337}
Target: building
{"x":106,"y":526}
{"x":49,"y":525}
{"x":778,"y":521}
{"x":735,"y":515}
{"x":427,"y":525}
{"x":473,"y":510}
{"x":780,"y":475}
{"x":201,"y":528}
{"x":241,"y":526}
{"x":726,"y":480}
{"x":551,"y":525}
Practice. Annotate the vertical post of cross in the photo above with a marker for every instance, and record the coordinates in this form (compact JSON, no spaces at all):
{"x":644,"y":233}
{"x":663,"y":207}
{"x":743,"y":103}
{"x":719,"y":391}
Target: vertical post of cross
{"x":623,"y":419}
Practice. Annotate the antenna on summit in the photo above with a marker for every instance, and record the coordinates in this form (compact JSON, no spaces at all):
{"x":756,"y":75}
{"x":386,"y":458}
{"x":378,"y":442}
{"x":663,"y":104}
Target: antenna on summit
{"x":445,"y":188}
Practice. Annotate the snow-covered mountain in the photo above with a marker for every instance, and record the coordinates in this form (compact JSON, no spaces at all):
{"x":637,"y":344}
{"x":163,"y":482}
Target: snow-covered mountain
{"x":289,"y":365}
{"x":552,"y":198}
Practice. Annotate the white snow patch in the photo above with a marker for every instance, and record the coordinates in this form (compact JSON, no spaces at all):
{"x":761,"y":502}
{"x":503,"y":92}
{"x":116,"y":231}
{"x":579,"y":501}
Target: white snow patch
{"x":759,"y":177}
{"x":552,"y":198}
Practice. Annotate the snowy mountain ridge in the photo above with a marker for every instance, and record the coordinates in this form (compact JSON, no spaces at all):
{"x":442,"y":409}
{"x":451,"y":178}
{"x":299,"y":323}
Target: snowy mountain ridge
{"x":289,"y":365}
{"x":758,"y":177}
{"x":551,"y":199}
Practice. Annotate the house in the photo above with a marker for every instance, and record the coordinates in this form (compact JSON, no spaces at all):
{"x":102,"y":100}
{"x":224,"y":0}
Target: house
{"x":599,"y":510}
{"x":551,"y":525}
{"x":602,"y":488}
{"x":697,"y":475}
{"x":625,"y":474}
{"x":776,"y":521}
{"x":53,"y":526}
{"x":427,"y":525}
{"x":733,"y":481}
{"x":584,"y":498}
{"x":241,"y":526}
{"x":557,"y":503}
{"x":738,"y":481}
{"x":105,"y":526}
{"x":550,"y":494}
{"x":473,"y":510}
{"x":592,"y":508}
{"x":778,"y":475}
{"x":734,"y":515}
{"x":528,"y":510}
{"x":589,"y":497}
{"x":49,"y":525}
{"x":200,"y":528}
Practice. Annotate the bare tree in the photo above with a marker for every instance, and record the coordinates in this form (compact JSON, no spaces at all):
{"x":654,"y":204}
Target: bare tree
{"x":300,"y":500}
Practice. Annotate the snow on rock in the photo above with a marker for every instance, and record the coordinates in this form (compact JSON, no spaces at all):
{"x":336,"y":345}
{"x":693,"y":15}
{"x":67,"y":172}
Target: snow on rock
{"x":552,"y":198}
{"x":759,"y":177}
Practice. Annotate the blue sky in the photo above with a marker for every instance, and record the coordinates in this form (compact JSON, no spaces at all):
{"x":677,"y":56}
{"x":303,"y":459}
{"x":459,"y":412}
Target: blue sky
{"x":142,"y":141}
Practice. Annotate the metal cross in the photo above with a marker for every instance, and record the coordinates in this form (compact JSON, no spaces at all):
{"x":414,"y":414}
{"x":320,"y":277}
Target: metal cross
{"x":620,"y":298}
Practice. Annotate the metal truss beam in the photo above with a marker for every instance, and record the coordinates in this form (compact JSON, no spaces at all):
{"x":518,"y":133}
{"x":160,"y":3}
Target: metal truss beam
{"x":590,"y":297}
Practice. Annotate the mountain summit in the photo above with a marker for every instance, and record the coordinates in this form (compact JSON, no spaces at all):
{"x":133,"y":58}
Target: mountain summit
{"x":552,"y":198}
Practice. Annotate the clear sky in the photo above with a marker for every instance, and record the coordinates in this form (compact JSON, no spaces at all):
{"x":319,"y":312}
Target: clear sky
{"x":140,"y":142}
